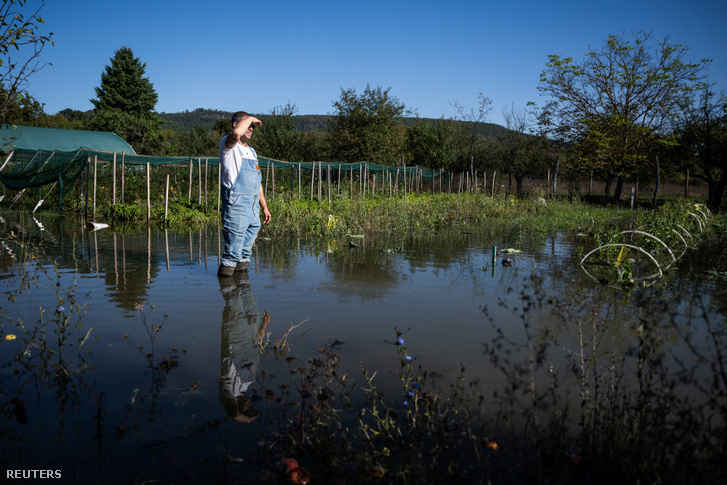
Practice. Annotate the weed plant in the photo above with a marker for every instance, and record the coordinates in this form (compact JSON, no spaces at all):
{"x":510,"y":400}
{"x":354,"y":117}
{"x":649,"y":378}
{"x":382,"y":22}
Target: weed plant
{"x":48,"y":351}
{"x":581,"y":404}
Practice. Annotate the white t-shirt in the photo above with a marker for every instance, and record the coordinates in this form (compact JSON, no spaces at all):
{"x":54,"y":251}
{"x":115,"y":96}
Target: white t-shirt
{"x":229,"y":164}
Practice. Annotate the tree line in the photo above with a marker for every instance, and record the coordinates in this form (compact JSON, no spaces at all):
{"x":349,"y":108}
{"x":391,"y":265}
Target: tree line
{"x":634,"y":110}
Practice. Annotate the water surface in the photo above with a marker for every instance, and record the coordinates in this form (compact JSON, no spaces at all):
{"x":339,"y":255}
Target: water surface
{"x":150,"y":336}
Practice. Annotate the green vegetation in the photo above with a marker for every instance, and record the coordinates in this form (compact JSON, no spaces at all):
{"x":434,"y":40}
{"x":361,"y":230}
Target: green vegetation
{"x":421,"y":214}
{"x":573,"y":406}
{"x":19,"y":29}
{"x":622,"y":109}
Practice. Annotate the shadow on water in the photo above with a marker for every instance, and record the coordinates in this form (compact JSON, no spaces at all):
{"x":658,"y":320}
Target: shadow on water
{"x":125,"y":358}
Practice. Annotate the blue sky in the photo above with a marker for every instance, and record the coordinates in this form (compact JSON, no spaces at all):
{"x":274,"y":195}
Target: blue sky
{"x":258,"y":55}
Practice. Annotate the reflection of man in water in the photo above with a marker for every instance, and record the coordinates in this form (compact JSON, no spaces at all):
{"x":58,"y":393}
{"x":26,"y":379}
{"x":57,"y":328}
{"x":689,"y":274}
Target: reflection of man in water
{"x":242,"y":332}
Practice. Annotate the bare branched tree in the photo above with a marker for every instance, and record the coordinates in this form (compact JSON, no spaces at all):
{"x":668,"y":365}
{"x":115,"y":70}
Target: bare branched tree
{"x":474,"y":117}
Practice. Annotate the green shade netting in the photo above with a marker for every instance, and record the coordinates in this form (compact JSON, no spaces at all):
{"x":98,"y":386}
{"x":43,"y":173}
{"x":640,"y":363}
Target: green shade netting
{"x":19,"y":137}
{"x":35,"y":168}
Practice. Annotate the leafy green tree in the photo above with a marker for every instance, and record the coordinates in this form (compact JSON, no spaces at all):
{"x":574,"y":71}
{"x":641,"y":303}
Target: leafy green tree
{"x":433,"y":145}
{"x":703,"y":139}
{"x":200,"y":142}
{"x":70,"y":119}
{"x":278,"y":137}
{"x":125,"y":102}
{"x":222,"y":127}
{"x":20,"y":47}
{"x":619,"y":100}
{"x":367,"y":127}
{"x":22,"y":110}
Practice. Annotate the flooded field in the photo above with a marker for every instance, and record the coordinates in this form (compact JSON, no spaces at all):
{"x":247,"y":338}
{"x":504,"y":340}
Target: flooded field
{"x":125,"y":358}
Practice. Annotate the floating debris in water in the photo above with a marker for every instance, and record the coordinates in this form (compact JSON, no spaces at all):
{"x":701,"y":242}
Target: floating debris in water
{"x":95,"y":226}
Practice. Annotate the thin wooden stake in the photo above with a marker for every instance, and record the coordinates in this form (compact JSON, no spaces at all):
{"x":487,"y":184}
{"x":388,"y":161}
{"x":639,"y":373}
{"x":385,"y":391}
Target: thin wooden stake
{"x":686,"y":186}
{"x":113,"y":197}
{"x":312,"y":179}
{"x":7,"y":160}
{"x":148,"y":193}
{"x":166,"y":206}
{"x":191,"y":170}
{"x":123,"y":176}
{"x":95,"y":178}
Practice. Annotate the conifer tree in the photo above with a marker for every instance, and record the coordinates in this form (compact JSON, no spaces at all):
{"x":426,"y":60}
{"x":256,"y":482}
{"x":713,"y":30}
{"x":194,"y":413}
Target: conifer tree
{"x":125,"y":101}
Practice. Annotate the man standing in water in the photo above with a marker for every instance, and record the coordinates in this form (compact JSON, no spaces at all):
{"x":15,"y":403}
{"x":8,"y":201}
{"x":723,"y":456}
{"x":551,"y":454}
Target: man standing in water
{"x":242,"y":195}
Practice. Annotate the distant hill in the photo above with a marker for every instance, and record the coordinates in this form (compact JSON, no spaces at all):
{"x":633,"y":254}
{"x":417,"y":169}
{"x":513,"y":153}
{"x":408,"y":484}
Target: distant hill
{"x":206,"y":118}
{"x":187,"y":120}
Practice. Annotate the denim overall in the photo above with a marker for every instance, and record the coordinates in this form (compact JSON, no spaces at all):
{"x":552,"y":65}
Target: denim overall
{"x":241,"y":322}
{"x":241,"y":213}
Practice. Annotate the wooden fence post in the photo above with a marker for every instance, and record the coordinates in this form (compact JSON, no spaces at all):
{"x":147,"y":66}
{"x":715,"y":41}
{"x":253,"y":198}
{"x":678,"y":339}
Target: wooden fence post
{"x":312,"y":179}
{"x":113,"y":196}
{"x":191,"y":169}
{"x":95,"y":179}
{"x":166,"y":208}
{"x":686,"y":186}
{"x":148,"y":193}
{"x":123,"y":176}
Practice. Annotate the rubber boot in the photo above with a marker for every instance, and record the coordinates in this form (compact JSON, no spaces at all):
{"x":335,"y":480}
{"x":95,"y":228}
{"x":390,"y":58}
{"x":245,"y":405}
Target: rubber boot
{"x":225,"y":270}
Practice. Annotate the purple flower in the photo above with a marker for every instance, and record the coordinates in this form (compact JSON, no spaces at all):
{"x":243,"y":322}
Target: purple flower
{"x":59,"y":283}
{"x":411,"y":393}
{"x":400,"y":341}
{"x":408,"y":358}
{"x":60,"y":309}
{"x":406,"y":403}
{"x":416,"y":384}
